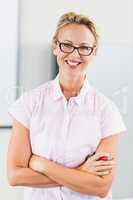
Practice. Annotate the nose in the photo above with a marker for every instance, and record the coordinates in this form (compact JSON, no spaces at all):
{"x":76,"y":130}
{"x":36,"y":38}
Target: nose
{"x":75,"y":53}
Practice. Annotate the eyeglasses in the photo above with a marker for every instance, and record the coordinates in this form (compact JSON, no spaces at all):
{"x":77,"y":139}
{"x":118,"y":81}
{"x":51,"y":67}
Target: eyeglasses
{"x":69,"y":48}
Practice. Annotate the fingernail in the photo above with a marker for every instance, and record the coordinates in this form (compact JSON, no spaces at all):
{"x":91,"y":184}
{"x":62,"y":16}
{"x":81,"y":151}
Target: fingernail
{"x":104,"y":158}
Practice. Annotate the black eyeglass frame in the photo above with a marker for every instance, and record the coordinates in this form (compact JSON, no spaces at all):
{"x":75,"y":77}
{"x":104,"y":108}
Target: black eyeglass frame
{"x":77,"y":48}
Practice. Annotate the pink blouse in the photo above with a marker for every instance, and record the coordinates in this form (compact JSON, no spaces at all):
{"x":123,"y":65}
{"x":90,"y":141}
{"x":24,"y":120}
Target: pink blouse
{"x":65,"y":131}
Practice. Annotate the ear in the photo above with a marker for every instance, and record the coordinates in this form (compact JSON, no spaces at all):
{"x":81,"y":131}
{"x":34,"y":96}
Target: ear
{"x":55,"y":50}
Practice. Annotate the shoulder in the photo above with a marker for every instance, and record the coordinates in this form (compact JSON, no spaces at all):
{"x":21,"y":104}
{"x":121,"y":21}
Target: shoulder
{"x":32,"y":97}
{"x":24,"y":106}
{"x":100,"y":100}
{"x":110,"y":116}
{"x":37,"y":92}
{"x":41,"y":89}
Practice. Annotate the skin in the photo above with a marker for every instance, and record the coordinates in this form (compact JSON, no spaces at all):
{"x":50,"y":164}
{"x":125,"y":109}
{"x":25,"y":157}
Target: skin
{"x":92,"y":177}
{"x":71,"y":79}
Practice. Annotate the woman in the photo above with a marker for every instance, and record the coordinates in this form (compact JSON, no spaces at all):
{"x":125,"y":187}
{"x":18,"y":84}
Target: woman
{"x":63,"y":127}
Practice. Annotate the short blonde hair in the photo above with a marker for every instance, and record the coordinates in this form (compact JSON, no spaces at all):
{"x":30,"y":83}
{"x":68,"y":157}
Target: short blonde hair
{"x":74,"y":18}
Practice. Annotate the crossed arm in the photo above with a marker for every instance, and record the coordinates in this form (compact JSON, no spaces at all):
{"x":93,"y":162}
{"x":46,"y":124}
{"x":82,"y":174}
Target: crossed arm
{"x":45,"y":173}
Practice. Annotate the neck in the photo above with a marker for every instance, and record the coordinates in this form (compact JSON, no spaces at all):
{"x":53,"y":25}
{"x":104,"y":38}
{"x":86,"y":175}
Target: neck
{"x":71,"y":86}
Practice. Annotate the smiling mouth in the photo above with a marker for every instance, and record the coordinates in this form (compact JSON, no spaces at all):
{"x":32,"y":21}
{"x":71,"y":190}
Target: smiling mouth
{"x":73,"y":64}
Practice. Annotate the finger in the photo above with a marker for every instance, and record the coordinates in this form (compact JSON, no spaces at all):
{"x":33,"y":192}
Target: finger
{"x":106,"y":157}
{"x":104,"y":163}
{"x":104,"y":173}
{"x":103,"y":168}
{"x":100,"y":154}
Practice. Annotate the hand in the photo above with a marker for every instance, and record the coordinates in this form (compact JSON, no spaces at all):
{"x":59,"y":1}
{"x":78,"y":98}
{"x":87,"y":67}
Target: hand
{"x":97,"y":167}
{"x":37,"y":163}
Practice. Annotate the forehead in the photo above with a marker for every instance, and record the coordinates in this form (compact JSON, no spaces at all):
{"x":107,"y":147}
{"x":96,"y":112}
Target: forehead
{"x":77,"y":33}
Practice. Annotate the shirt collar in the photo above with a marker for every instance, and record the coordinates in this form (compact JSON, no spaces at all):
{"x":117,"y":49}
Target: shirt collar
{"x":58,"y":92}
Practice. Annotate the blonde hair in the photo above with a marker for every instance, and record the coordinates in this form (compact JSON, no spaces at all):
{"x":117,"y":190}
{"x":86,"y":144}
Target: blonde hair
{"x":74,"y":18}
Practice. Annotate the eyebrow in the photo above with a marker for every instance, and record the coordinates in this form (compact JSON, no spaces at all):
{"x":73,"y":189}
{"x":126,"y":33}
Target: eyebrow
{"x":83,"y":43}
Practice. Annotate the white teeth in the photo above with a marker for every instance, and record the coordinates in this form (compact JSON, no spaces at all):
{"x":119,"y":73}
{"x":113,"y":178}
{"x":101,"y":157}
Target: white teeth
{"x":74,"y":63}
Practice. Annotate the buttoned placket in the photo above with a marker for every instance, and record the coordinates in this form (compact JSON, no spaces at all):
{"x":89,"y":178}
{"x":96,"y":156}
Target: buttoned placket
{"x":65,"y":126}
{"x":65,"y":131}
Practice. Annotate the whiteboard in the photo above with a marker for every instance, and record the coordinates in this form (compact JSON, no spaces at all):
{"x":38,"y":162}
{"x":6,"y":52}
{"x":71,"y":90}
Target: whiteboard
{"x":8,"y":57}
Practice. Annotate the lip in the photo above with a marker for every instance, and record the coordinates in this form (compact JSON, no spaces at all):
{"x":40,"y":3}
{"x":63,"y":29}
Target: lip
{"x":73,"y":63}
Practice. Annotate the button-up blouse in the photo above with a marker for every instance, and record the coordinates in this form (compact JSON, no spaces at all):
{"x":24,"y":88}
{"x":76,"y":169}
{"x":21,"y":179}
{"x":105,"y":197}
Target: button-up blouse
{"x":65,"y":131}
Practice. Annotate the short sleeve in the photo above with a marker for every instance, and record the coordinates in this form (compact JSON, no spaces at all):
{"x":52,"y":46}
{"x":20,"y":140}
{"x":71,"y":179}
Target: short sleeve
{"x":111,"y":120}
{"x":21,"y":109}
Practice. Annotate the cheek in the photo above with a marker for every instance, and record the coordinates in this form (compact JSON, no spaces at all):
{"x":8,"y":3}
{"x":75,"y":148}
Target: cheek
{"x":87,"y":60}
{"x":60,"y":58}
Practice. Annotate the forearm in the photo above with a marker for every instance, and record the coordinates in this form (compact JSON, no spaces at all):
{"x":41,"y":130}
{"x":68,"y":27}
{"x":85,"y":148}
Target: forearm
{"x":30,"y":178}
{"x":74,"y":179}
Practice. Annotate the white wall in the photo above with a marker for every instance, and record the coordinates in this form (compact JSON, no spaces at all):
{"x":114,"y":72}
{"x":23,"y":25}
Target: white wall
{"x":8,"y":56}
{"x":111,"y":72}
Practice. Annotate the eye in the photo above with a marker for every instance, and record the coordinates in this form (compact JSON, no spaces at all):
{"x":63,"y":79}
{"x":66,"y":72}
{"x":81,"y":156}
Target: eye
{"x":67,"y":45}
{"x":85,"y":48}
